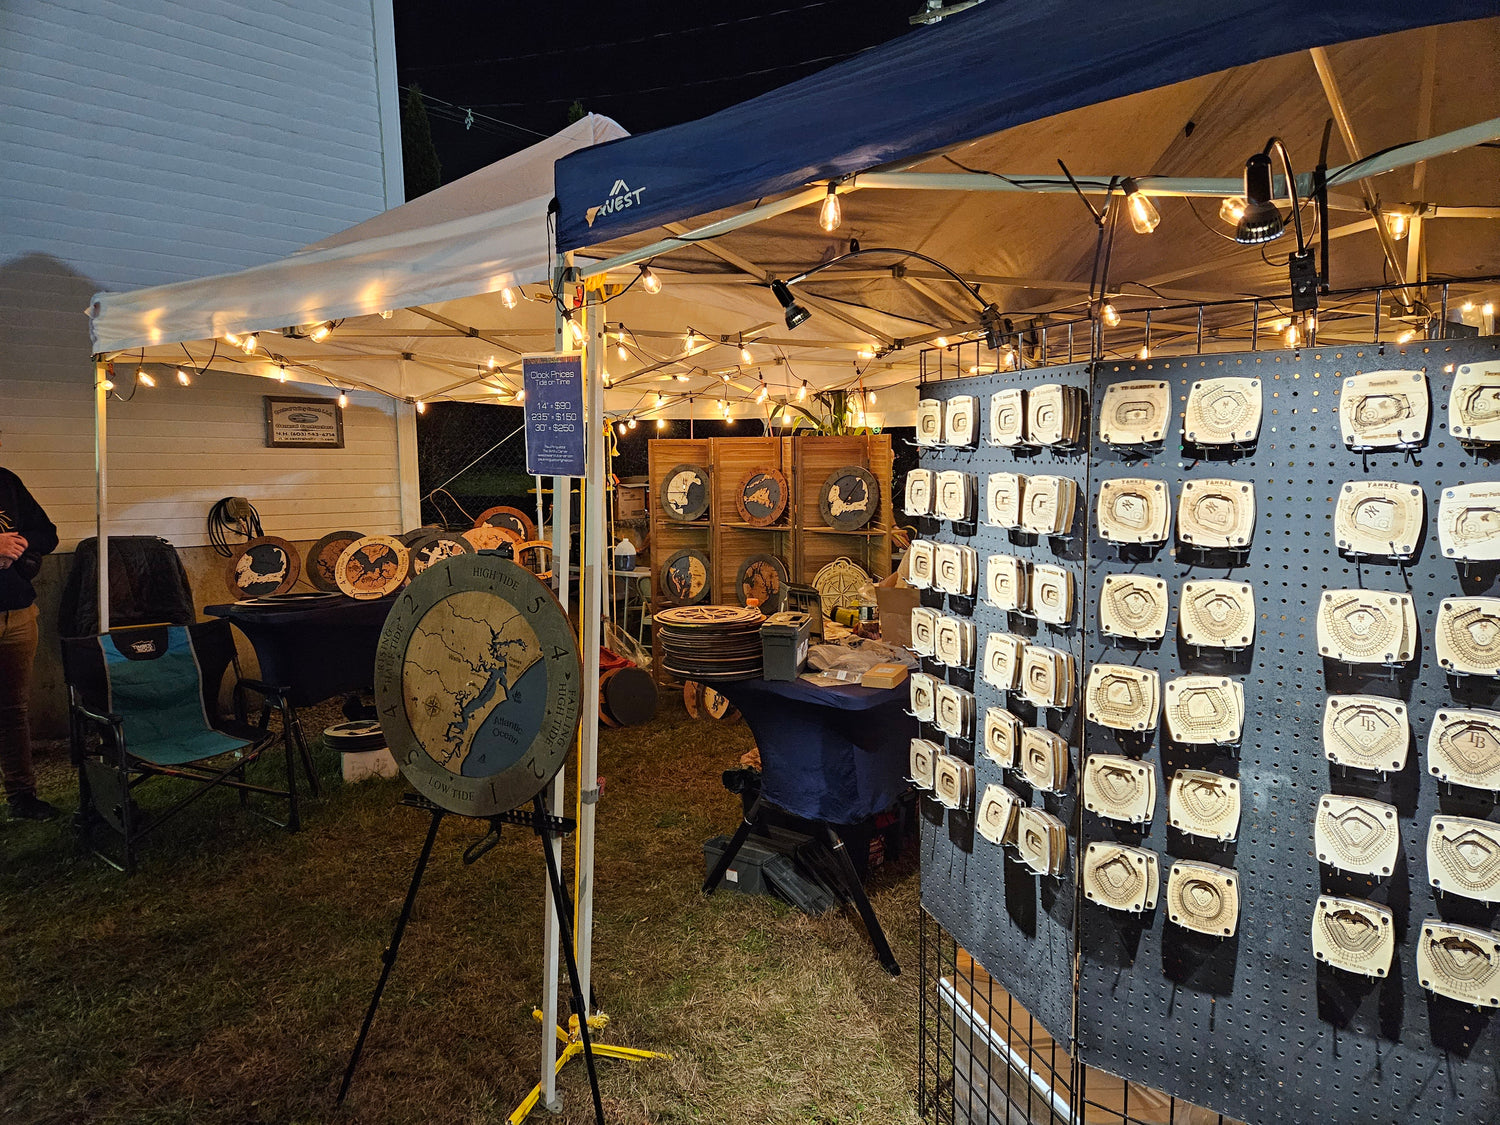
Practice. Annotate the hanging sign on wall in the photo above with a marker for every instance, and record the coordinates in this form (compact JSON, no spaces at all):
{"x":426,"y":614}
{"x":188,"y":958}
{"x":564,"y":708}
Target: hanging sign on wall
{"x":554,"y":414}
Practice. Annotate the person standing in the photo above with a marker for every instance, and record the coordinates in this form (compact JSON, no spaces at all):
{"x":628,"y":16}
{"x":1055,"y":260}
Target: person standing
{"x":26,"y":534}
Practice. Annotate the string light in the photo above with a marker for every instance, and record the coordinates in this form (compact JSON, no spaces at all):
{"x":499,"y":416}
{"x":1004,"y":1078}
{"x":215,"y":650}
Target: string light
{"x":690,"y":341}
{"x":941,"y":341}
{"x":491,"y":364}
{"x":606,"y":379}
{"x":728,"y":417}
{"x":657,"y":401}
{"x":620,"y":348}
{"x":1144,"y":216}
{"x":1145,"y":352}
{"x":620,"y":426}
{"x":680,"y":378}
{"x":786,"y":415}
{"x":661,"y":423}
{"x":632,"y":423}
{"x":761,"y":393}
{"x":1489,"y":308}
{"x":144,"y":378}
{"x":233,"y":340}
{"x":1232,"y":209}
{"x":870,"y":398}
{"x":1395,"y":224}
{"x":183,"y":377}
{"x":250,"y":343}
{"x":831,"y":214}
{"x":421,"y":407}
{"x":1291,"y":336}
{"x":1110,"y":315}
{"x":576,"y":329}
{"x":649,"y":281}
{"x":507,"y":296}
{"x":281,"y":373}
{"x":386,"y":314}
{"x":107,"y":384}
{"x":521,"y":395}
{"x":867,"y":352}
{"x":802,"y":392}
{"x":320,"y":333}
{"x":343,"y":399}
{"x":745,"y":354}
{"x":1406,"y":337}
{"x":1468,"y":306}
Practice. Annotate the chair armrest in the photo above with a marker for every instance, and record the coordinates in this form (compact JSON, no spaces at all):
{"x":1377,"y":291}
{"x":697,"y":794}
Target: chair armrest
{"x":270,"y":691}
{"x":108,"y":719}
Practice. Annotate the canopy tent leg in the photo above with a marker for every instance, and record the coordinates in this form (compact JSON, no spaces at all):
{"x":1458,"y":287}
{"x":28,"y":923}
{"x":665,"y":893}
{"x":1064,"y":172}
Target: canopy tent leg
{"x":101,"y":484}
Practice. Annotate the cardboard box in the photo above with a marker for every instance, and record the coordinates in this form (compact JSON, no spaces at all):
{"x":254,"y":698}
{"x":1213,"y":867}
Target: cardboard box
{"x":896,"y":601}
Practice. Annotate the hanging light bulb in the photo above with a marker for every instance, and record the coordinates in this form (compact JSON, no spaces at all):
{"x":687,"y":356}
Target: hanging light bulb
{"x":491,"y":363}
{"x":649,"y":281}
{"x":620,"y":350}
{"x":521,"y":395}
{"x":386,"y":314}
{"x":786,"y":415}
{"x":183,"y":377}
{"x":1468,"y":306}
{"x":745,"y":354}
{"x":657,"y":401}
{"x":620,"y":426}
{"x":250,"y":343}
{"x":605,"y":378}
{"x":866,"y":352}
{"x":1110,"y":315}
{"x":143,"y":377}
{"x":1144,"y":216}
{"x":421,"y":407}
{"x":728,"y":417}
{"x":1406,"y":337}
{"x":233,"y":340}
{"x":1145,"y":352}
{"x":680,"y":378}
{"x":870,"y":398}
{"x":576,"y":329}
{"x":343,"y":399}
{"x":761,"y":393}
{"x":1489,"y":308}
{"x":281,"y":373}
{"x":941,"y":341}
{"x":107,"y":384}
{"x":507,"y":296}
{"x":802,"y":392}
{"x":320,"y":332}
{"x":1395,"y":224}
{"x":661,"y":423}
{"x":690,"y":340}
{"x":723,"y":407}
{"x":632,"y":423}
{"x":831,"y":214}
{"x":1291,"y":336}
{"x":1232,"y":209}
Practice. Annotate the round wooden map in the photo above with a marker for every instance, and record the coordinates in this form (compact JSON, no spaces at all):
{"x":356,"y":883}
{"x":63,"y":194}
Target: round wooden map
{"x":762,"y":577}
{"x":434,"y":547}
{"x":684,"y":492}
{"x":684,"y":576}
{"x":409,"y":537}
{"x":761,"y":498}
{"x":477,"y":679}
{"x":487,"y":536}
{"x":709,"y":616}
{"x":372,"y":567}
{"x":839,"y":584}
{"x":323,"y":559}
{"x":849,"y":498}
{"x":505,"y":516}
{"x":264,"y":566}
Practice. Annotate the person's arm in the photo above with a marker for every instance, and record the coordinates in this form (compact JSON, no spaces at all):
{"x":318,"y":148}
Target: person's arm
{"x":39,"y":532}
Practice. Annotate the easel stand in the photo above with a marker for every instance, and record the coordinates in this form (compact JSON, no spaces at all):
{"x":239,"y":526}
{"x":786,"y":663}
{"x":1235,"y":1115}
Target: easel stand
{"x":547,"y":827}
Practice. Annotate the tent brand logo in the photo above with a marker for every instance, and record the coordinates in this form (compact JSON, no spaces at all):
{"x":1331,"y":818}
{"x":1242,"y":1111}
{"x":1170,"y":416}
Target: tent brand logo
{"x":620,"y":197}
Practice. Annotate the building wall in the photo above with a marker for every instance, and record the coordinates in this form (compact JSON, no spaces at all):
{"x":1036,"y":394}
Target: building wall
{"x":151,"y":141}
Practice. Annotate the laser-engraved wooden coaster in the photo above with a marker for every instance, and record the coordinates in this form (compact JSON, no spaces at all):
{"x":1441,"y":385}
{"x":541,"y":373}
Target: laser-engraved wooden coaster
{"x":1135,"y":413}
{"x":924,"y":756}
{"x":1368,"y":732}
{"x":955,"y":496}
{"x":1133,"y":606}
{"x":960,"y":425}
{"x":1123,"y":697}
{"x":1463,"y":857}
{"x":1459,"y":962}
{"x":1467,"y":636}
{"x":1223,"y":411}
{"x":954,"y":641}
{"x":1463,"y":747}
{"x":1133,"y":510}
{"x":1048,"y":676}
{"x":1007,"y":583}
{"x":1204,"y":710}
{"x":1044,"y":759}
{"x":953,"y":711}
{"x":1117,"y":788}
{"x":1365,"y":626}
{"x":1354,"y":935}
{"x":1002,"y":660}
{"x":929,"y":422}
{"x":920,"y":492}
{"x":1052,"y":593}
{"x":1041,"y":840}
{"x":1469,"y":521}
{"x":1217,"y":613}
{"x":924,"y":630}
{"x":919,"y":558}
{"x":1204,"y":897}
{"x":1008,"y":417}
{"x":1356,"y":834}
{"x":953,"y":782}
{"x":1204,"y":804}
{"x":1120,"y":877}
{"x":1474,"y":403}
{"x":1214,"y":513}
{"x":998,"y":809}
{"x":1384,"y":410}
{"x":1002,"y":736}
{"x":953,"y":569}
{"x":1053,"y":414}
{"x":1003,"y":492}
{"x":1048,"y":504}
{"x":923,"y":696}
{"x":1379,"y":517}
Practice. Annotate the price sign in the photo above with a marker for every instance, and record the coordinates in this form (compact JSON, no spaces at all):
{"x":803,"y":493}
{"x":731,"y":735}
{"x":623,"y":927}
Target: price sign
{"x":554,"y":414}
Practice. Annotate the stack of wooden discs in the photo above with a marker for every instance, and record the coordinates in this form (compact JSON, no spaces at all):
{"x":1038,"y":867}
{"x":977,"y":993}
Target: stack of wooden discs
{"x":711,"y":642}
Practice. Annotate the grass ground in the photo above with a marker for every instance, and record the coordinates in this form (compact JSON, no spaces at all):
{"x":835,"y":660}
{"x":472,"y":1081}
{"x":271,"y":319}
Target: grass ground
{"x":226,"y":980}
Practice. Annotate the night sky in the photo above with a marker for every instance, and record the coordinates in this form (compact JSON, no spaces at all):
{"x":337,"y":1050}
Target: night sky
{"x":647,"y":65}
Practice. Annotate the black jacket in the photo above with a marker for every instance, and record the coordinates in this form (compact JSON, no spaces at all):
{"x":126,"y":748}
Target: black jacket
{"x":19,"y":512}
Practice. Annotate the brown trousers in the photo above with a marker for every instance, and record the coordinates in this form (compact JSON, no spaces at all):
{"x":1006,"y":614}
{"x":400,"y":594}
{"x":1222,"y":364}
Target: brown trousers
{"x":18,"y":639}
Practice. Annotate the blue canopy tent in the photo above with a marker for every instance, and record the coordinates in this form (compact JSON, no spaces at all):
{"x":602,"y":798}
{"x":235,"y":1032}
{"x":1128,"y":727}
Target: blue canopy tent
{"x":1001,"y":64}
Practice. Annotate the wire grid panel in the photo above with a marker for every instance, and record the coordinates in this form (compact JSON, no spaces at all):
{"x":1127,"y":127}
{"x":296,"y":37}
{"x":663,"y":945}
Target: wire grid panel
{"x":1252,"y":1025}
{"x":1018,"y":925}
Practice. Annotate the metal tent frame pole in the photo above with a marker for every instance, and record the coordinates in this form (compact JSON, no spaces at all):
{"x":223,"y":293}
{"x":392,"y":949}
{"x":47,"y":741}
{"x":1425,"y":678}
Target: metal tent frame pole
{"x":101,"y":485}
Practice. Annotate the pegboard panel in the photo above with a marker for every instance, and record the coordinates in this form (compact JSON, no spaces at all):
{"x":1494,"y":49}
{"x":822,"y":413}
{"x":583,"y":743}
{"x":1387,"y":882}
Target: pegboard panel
{"x":1252,"y":1025}
{"x":1018,"y":925}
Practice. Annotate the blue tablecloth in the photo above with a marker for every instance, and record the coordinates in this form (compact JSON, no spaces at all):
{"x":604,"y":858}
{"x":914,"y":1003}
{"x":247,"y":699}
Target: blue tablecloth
{"x":838,"y":754}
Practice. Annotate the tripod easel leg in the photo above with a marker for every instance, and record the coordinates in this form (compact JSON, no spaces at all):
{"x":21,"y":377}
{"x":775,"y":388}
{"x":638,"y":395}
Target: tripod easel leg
{"x":389,"y":956}
{"x":565,"y":925}
{"x":861,"y":902}
{"x":741,"y":834}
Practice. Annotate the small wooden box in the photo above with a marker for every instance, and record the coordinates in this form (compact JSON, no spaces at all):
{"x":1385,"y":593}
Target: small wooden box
{"x":884,"y":676}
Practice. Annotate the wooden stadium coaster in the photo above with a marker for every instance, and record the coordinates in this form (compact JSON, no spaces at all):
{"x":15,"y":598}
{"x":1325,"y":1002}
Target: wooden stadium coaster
{"x":1356,"y":834}
{"x":263,"y":568}
{"x":1133,"y":510}
{"x":1048,"y":676}
{"x":1041,"y":841}
{"x":924,"y":630}
{"x":372,"y":567}
{"x":1367,"y":732}
{"x":1204,"y":898}
{"x":953,"y":711}
{"x":1354,"y":935}
{"x":1463,"y":857}
{"x":1135,"y":413}
{"x":960,"y":422}
{"x":1002,"y":499}
{"x":1044,"y":759}
{"x":998,"y":810}
{"x":921,"y":498}
{"x":490,"y":537}
{"x":764,"y":578}
{"x":924,"y":756}
{"x":1123,"y":697}
{"x":1118,"y":788}
{"x":761,"y":497}
{"x":953,"y":783}
{"x":1223,"y":411}
{"x":1008,"y":417}
{"x":1463,"y":747}
{"x":919,"y":557}
{"x":1215,"y":513}
{"x":955,"y":569}
{"x":1384,"y":410}
{"x":1054,"y":414}
{"x":323,"y":558}
{"x":685,"y":493}
{"x":1133,"y":606}
{"x":1381,"y":518}
{"x":1205,"y":804}
{"x":1002,"y":660}
{"x":1121,"y":877}
{"x":1469,"y":522}
{"x":435,"y":546}
{"x":502,"y":515}
{"x":849,"y":498}
{"x":1002,"y":736}
{"x":1052,"y":594}
{"x":1459,"y":962}
{"x":955,"y":496}
{"x":923,"y":696}
{"x":1204,"y":710}
{"x":929,"y":422}
{"x":1007,"y":583}
{"x":1217,"y":613}
{"x":955,"y":641}
{"x":1048,"y":504}
{"x":1367,"y":627}
{"x":1467,"y":636}
{"x":1474,"y":404}
{"x":684,"y":576}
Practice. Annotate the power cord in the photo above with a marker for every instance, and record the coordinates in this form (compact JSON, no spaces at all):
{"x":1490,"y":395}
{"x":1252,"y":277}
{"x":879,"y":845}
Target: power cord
{"x":222,"y":521}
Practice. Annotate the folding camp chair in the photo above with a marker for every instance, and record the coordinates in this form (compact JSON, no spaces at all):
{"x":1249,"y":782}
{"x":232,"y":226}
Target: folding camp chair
{"x":144,"y":703}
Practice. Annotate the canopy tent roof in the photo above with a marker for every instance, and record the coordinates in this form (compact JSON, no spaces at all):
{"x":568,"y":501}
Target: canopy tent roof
{"x":441,"y":260}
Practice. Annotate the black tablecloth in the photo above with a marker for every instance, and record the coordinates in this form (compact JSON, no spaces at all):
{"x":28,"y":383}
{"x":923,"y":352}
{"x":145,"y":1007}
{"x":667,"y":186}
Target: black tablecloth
{"x":318,"y":649}
{"x":838,"y":754}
